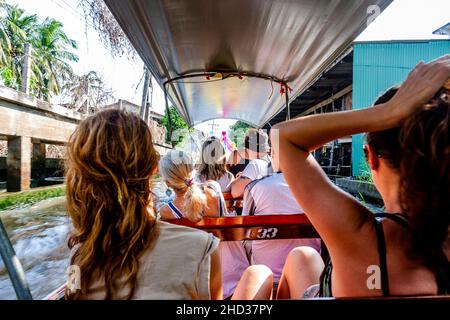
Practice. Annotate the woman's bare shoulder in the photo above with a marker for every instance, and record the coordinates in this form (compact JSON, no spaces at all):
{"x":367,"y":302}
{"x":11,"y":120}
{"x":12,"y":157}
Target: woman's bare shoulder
{"x":165,"y":212}
{"x":212,"y":198}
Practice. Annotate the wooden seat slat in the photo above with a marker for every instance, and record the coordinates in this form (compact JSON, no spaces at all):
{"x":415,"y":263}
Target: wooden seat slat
{"x":228,"y":196}
{"x":254,"y":227}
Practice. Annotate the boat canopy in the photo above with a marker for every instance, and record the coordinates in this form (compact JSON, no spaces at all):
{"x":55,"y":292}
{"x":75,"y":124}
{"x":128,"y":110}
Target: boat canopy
{"x":240,"y":59}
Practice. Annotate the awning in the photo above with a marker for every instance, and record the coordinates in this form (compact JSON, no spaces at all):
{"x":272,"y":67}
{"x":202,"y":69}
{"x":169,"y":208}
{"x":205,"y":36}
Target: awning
{"x":280,"y":40}
{"x":332,"y":84}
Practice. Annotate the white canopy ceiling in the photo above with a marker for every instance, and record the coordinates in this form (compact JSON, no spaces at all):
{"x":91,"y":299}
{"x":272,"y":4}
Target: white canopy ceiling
{"x":288,"y":40}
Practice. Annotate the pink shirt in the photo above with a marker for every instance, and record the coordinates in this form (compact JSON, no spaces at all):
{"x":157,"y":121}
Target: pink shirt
{"x":234,"y":262}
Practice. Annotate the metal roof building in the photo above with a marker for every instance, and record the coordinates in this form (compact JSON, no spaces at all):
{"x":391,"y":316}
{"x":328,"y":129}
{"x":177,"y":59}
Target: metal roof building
{"x":380,"y":65}
{"x":363,"y":72}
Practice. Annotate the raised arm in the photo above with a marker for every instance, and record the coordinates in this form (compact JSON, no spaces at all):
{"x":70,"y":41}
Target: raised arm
{"x":337,"y":216}
{"x":238,"y":186}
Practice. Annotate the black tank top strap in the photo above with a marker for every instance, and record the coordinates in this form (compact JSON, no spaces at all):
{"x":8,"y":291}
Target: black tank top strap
{"x":401,"y":219}
{"x":325,"y":278}
{"x":443,"y":281}
{"x":382,"y":258}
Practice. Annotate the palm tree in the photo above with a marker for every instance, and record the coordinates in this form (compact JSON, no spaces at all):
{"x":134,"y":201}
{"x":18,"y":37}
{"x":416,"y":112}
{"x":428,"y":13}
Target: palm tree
{"x":50,"y":55}
{"x":16,"y":29}
{"x":51,"y":46}
{"x":5,"y":45}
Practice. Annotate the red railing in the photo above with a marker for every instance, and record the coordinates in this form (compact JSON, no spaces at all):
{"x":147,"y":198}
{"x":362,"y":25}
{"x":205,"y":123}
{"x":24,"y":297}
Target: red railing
{"x":254,"y":227}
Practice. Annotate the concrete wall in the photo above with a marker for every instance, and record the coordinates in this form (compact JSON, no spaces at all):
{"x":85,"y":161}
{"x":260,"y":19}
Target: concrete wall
{"x":162,"y":149}
{"x":28,"y":123}
{"x":18,"y":119}
{"x":367,"y":189}
{"x":50,"y":163}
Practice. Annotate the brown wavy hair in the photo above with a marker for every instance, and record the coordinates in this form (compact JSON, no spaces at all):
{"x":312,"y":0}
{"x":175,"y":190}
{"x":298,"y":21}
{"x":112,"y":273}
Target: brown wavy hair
{"x":419,"y":150}
{"x":425,"y":181}
{"x":386,"y":143}
{"x":111,"y":160}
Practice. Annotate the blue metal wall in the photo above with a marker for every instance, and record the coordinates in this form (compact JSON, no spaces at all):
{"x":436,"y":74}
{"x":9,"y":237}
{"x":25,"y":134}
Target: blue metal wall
{"x":380,"y":65}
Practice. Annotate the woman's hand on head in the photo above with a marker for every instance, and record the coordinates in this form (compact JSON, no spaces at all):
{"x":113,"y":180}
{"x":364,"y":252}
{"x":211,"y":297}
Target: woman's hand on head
{"x":419,"y":87}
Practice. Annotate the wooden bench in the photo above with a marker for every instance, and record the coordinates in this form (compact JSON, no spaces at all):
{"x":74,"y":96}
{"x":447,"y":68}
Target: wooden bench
{"x":259,"y":228}
{"x":268,"y":227}
{"x":254,"y":227}
{"x":232,"y":203}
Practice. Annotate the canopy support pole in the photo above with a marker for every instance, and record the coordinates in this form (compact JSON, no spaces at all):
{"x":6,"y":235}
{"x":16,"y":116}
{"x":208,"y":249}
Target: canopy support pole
{"x":13,"y":266}
{"x":169,"y":118}
{"x":145,"y":92}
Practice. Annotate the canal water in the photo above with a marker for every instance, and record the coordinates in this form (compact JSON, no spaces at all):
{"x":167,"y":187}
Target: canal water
{"x":39,"y":236}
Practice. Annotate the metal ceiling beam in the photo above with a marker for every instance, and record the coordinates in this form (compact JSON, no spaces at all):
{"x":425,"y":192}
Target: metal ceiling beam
{"x":323,"y":103}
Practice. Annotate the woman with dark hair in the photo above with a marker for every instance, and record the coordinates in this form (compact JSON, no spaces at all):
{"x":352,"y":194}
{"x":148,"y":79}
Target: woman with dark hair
{"x":237,"y":161}
{"x":403,"y":251}
{"x":257,"y":149}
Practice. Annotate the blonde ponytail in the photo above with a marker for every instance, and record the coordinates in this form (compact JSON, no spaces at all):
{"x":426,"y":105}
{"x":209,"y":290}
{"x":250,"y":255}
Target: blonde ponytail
{"x":195,"y":203}
{"x":177,"y":169}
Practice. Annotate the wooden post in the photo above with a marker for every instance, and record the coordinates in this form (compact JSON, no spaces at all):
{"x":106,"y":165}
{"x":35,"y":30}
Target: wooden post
{"x":148,"y":105}
{"x":145,"y":94}
{"x":26,"y":69}
{"x":38,"y":161}
{"x":18,"y":164}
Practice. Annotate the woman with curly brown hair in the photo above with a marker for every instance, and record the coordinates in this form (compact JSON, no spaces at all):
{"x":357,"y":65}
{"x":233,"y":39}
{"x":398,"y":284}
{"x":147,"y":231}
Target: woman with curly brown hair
{"x":119,"y":246}
{"x":405,"y":250}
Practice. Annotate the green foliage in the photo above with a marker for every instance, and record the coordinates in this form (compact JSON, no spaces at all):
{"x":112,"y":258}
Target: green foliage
{"x":363,"y":200}
{"x":16,"y":29}
{"x":52,"y":56}
{"x":50,"y":51}
{"x":238,"y":131}
{"x":366,"y":174}
{"x":179,"y":126}
{"x":28,"y":198}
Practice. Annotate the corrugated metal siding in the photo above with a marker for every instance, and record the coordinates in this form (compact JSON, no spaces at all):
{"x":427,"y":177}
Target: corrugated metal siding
{"x":380,"y":65}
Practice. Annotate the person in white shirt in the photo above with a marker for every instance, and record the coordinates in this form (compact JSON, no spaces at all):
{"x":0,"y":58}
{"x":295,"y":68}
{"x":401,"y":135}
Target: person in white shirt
{"x":257,"y":147}
{"x":268,"y":196}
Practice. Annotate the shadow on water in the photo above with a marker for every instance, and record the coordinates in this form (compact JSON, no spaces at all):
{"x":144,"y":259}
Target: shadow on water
{"x":39,"y":236}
